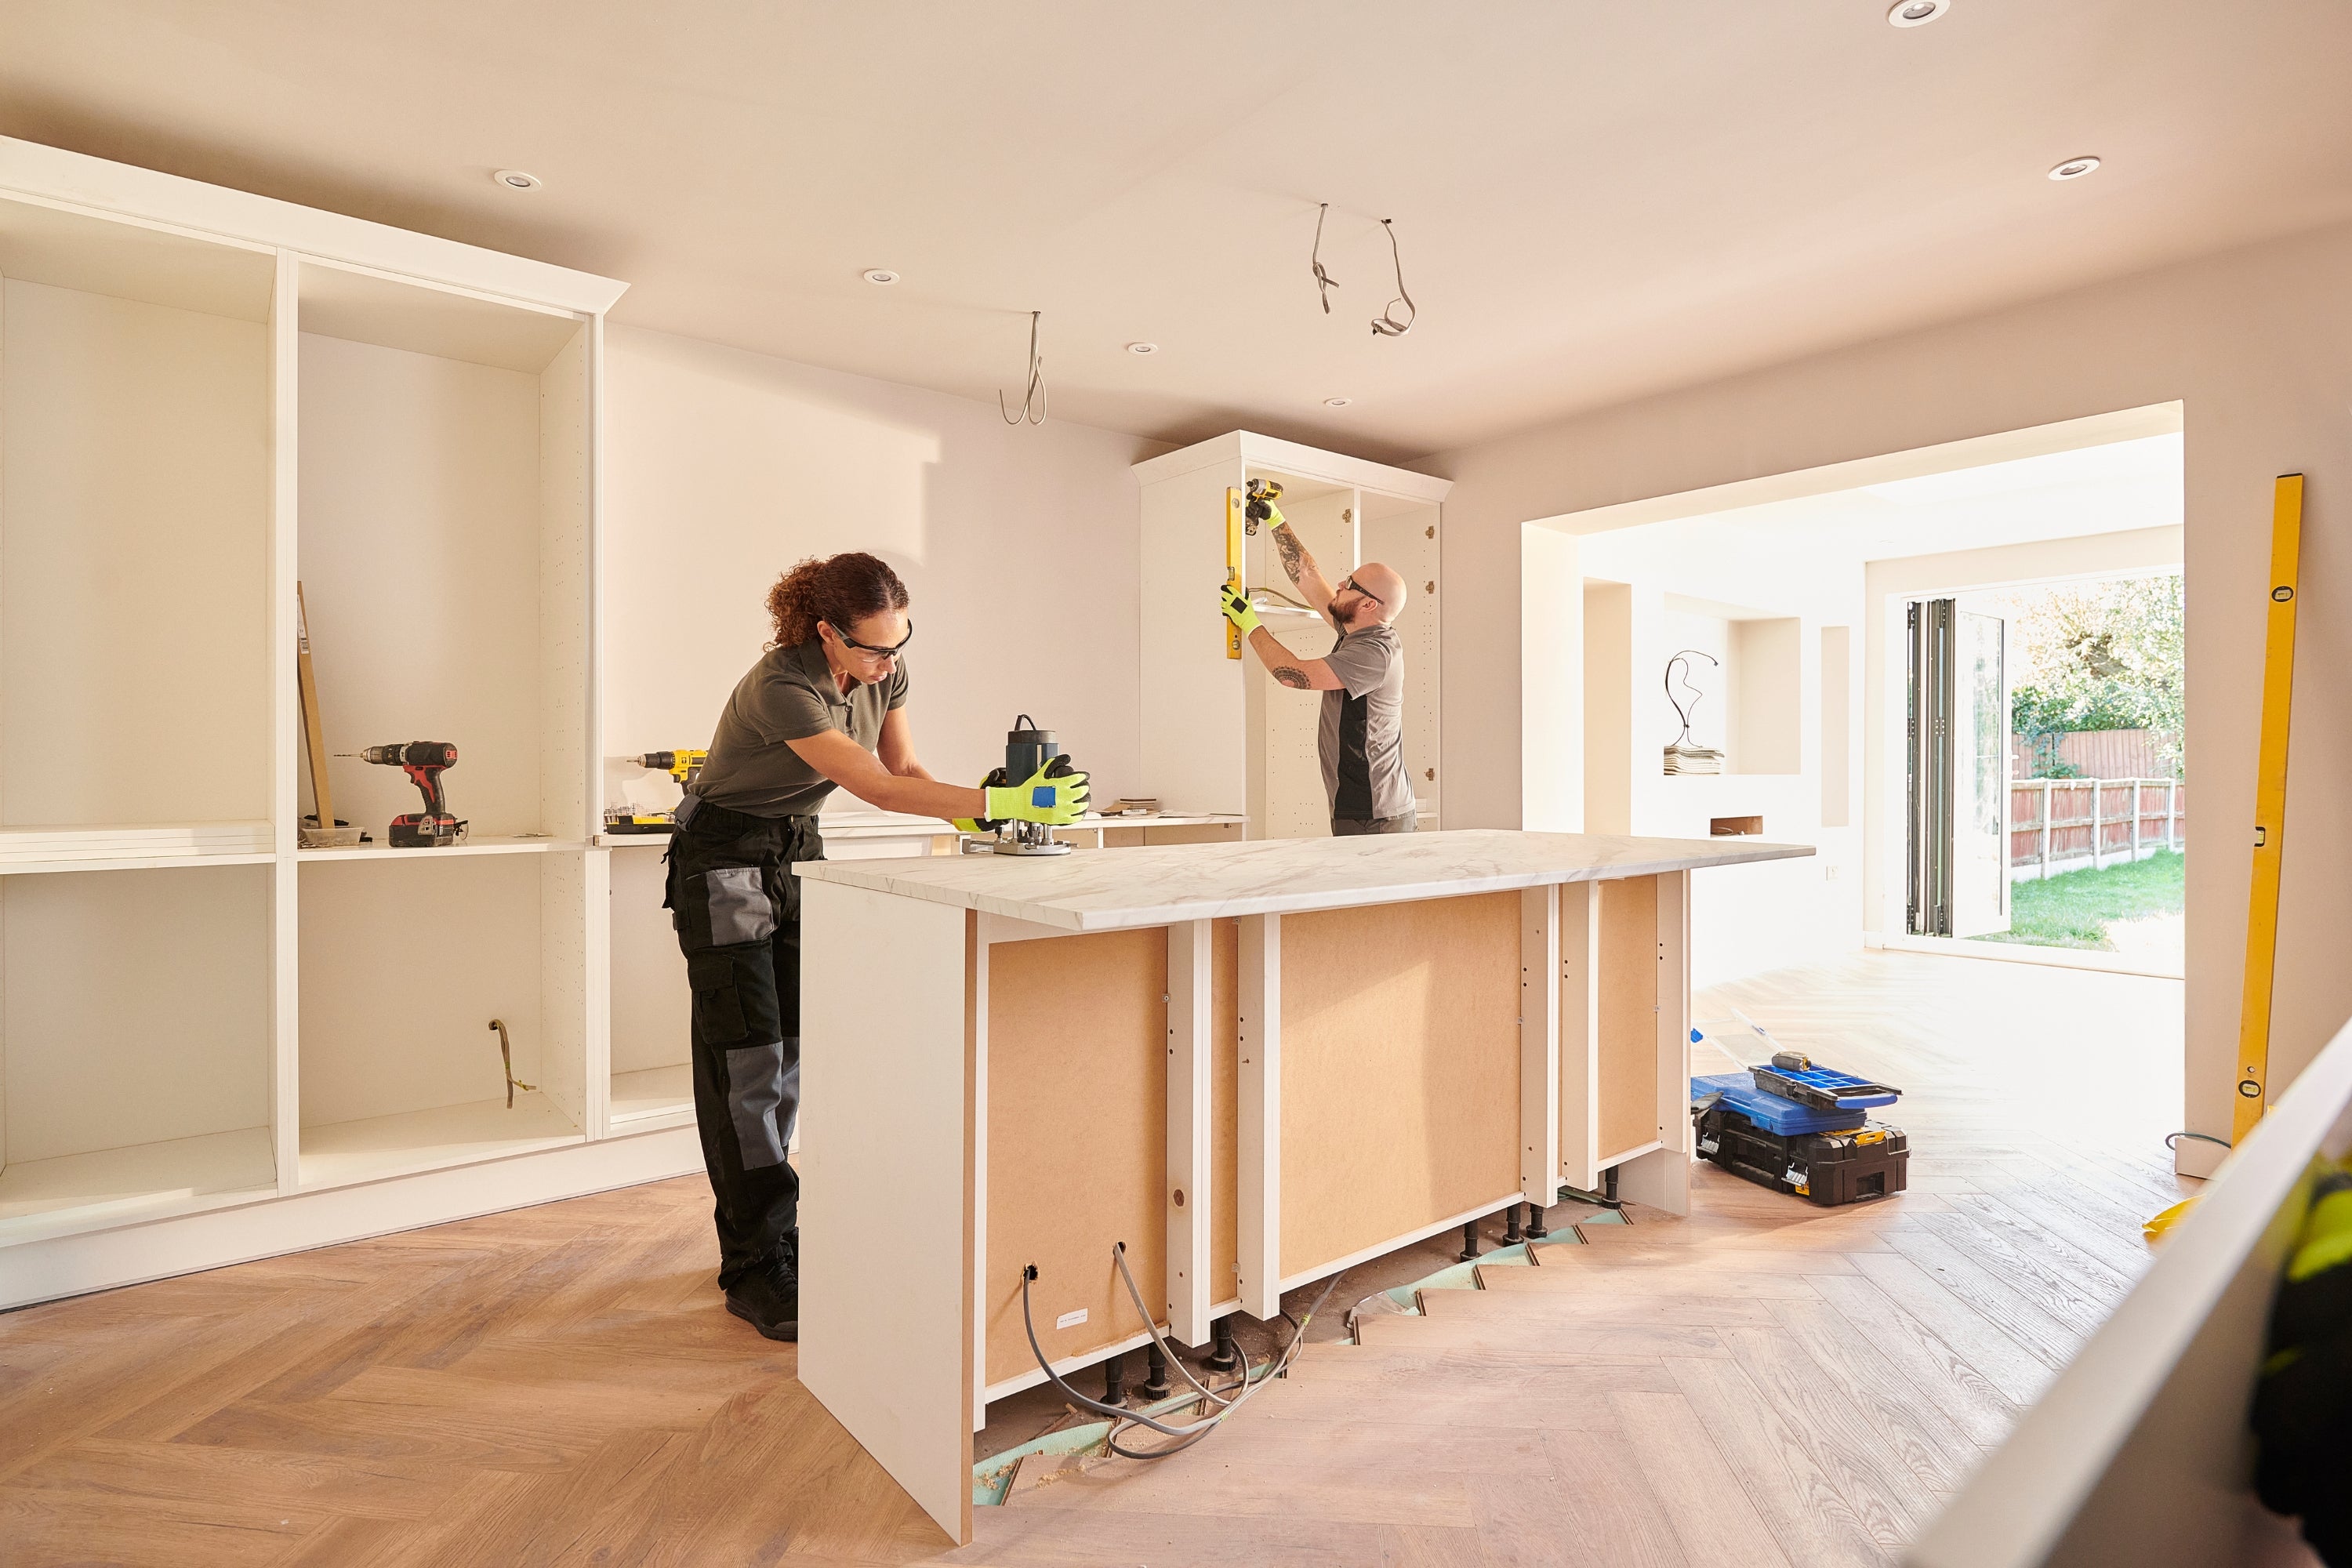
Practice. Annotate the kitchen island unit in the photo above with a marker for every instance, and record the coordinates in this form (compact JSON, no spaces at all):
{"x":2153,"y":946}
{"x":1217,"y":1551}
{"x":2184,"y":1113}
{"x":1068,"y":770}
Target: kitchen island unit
{"x":1254,"y":1064}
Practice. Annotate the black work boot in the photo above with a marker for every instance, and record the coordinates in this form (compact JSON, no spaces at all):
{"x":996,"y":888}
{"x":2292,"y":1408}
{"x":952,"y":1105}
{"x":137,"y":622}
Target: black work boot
{"x":768,"y":1298}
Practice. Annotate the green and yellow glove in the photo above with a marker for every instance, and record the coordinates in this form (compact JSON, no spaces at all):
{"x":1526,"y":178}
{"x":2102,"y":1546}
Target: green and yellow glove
{"x":978,"y":824}
{"x":1235,"y":603}
{"x":1055,"y":794}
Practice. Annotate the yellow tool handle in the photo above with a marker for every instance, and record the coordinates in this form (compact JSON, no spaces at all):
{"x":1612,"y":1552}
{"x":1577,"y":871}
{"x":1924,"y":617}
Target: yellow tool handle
{"x":2269,"y":810}
{"x":1233,"y":564}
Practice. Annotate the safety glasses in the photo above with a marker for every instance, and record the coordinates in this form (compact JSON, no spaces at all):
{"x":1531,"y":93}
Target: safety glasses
{"x":849,"y":641}
{"x":1347,"y":582}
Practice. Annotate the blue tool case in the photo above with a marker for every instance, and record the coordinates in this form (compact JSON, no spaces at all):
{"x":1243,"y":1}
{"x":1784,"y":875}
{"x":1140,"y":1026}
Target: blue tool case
{"x":1739,"y":1091}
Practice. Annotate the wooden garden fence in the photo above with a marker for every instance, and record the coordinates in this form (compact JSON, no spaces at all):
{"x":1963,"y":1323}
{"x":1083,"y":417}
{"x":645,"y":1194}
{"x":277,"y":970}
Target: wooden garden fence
{"x":2059,"y":824}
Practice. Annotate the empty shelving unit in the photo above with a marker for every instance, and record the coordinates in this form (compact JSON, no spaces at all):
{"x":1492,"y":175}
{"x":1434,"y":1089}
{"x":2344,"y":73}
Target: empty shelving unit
{"x":215,"y":1044}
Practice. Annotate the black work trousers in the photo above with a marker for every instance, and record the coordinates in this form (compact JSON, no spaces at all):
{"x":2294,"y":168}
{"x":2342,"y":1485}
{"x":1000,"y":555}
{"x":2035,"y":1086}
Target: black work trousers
{"x":737,"y":910}
{"x":1357,"y":827}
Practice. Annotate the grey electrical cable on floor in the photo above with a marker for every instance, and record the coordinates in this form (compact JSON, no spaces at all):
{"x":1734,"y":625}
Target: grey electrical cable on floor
{"x":1122,"y":1417}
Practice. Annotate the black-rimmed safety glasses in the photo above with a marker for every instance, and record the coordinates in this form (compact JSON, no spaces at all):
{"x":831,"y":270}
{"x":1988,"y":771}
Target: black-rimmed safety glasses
{"x":1346,"y":582}
{"x":849,"y":641}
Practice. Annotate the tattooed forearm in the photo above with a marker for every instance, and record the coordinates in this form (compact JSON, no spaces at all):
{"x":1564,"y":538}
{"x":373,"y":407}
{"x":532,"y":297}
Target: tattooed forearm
{"x":1290,"y":677}
{"x":1295,"y":558}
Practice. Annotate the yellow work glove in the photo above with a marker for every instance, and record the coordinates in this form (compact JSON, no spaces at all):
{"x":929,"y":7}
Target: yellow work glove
{"x":1056,"y":795}
{"x":975,"y":824}
{"x":1237,"y":607}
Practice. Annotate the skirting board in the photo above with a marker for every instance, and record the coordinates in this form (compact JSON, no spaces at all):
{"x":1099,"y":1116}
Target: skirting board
{"x":133,"y":1254}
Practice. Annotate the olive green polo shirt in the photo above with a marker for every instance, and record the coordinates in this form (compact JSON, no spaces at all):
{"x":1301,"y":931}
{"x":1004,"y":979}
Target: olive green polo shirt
{"x":789,"y":696}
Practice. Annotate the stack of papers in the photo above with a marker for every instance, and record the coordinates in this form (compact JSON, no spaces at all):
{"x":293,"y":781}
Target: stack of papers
{"x":1687,"y":759}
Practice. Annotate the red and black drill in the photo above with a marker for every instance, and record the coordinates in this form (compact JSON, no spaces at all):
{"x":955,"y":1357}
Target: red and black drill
{"x":423,"y":761}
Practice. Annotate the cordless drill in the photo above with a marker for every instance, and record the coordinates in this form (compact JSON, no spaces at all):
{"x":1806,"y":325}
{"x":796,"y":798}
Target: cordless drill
{"x":683,"y":766}
{"x":423,"y":761}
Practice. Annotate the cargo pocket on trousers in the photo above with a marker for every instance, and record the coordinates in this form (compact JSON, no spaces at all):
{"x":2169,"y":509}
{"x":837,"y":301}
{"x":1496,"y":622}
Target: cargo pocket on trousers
{"x":718,"y":1006}
{"x":755,"y":1087}
{"x":741,"y":911}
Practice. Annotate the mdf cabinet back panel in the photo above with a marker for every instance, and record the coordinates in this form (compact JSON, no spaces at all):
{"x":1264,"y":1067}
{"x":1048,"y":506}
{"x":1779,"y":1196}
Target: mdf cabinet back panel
{"x":420,"y":562}
{"x":136,"y":1008}
{"x":405,"y":962}
{"x":134,"y":562}
{"x":1077,"y":1042}
{"x":652,"y":1002}
{"x":1400,"y":1070}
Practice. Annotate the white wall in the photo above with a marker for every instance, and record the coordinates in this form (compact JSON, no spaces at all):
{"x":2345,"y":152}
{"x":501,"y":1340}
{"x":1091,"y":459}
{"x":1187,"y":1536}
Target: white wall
{"x":2255,"y":343}
{"x":1758,"y":607}
{"x":1018,"y":547}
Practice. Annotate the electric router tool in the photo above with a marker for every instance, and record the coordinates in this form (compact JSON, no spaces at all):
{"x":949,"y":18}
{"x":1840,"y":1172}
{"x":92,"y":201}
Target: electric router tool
{"x":1027,"y":749}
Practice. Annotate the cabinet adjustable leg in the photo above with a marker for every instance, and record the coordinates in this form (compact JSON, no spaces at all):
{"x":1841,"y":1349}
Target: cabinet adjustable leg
{"x":1470,"y":1242}
{"x":1223,"y":1354}
{"x":1115,"y":1380}
{"x":1155,"y":1368}
{"x":1511,"y":1233}
{"x":1536,"y":1230}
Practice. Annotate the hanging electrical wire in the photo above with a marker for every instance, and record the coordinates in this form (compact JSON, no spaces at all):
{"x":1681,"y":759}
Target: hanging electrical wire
{"x":1033,"y":397}
{"x":1324,"y":281}
{"x":1385,"y":324}
{"x":1229,"y":1399}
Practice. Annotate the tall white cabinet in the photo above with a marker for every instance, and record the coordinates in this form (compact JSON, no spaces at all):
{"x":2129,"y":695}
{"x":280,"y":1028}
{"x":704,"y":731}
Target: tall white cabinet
{"x":215,"y":1044}
{"x":1221,"y":736}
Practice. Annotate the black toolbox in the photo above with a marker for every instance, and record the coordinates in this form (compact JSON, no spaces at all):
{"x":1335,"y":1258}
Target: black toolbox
{"x":1852,"y":1166}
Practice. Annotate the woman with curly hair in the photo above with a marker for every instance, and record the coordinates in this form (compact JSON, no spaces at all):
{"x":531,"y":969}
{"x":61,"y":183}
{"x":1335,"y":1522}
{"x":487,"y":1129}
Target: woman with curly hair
{"x":824,"y":707}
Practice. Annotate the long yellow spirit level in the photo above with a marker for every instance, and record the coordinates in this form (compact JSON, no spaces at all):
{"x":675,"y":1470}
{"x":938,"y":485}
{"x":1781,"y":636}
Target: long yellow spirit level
{"x":1233,"y":564}
{"x":2269,"y":810}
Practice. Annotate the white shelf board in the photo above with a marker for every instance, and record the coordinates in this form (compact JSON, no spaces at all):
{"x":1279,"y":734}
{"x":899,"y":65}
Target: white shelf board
{"x":478,"y":845}
{"x":652,"y":1097}
{"x":146,"y":1181}
{"x":127,"y":259}
{"x":130,"y":863}
{"x":134,"y":847}
{"x":340,"y":1153}
{"x":362,"y":306}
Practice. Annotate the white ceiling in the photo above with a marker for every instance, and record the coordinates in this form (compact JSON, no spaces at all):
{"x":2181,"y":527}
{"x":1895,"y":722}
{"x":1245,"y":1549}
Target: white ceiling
{"x":1596,"y":199}
{"x":2106,"y":488}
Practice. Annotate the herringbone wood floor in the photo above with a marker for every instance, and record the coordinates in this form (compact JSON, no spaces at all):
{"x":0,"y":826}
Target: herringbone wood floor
{"x":1763,"y":1383}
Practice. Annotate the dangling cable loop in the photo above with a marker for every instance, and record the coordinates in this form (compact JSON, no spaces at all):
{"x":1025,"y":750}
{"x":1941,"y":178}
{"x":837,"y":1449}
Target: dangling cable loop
{"x":1033,"y":397}
{"x":1681,"y":712}
{"x":1386,"y":325}
{"x":1324,"y":281}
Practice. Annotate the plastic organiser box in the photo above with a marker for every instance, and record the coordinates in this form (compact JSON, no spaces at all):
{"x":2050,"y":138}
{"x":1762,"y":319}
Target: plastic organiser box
{"x":1826,"y":1157}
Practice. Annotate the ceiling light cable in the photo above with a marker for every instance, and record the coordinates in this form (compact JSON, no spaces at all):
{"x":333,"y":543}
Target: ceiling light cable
{"x":1385,"y":324}
{"x":1033,"y":397}
{"x":1324,"y":281}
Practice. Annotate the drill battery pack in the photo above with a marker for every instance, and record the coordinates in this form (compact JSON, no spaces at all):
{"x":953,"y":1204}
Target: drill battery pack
{"x":426,"y":830}
{"x":1848,"y":1165}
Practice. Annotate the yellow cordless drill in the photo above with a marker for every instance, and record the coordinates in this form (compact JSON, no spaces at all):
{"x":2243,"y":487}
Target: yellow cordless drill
{"x":683,"y":766}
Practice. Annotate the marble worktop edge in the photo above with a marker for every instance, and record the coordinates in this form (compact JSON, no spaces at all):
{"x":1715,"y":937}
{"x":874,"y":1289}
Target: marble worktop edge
{"x":1093,"y":891}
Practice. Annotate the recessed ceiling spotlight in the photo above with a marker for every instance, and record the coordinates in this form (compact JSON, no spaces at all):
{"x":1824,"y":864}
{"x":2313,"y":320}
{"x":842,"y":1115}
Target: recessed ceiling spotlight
{"x":879,"y":275}
{"x":1143,"y":348}
{"x":2073,"y":168}
{"x":516,"y":180}
{"x":1917,"y":12}
{"x":1338,"y":402}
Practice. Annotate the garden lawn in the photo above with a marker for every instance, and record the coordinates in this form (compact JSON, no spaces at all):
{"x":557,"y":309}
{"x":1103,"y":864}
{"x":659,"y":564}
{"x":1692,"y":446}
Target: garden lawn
{"x":2074,"y":908}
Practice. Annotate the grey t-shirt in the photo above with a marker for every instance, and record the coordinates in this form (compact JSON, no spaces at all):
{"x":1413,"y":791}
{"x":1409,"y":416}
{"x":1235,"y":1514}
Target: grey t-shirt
{"x":1361,"y":741}
{"x":789,"y":695}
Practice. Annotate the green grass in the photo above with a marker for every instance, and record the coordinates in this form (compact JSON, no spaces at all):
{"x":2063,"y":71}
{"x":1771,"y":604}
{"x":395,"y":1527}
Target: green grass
{"x":2073,"y":908}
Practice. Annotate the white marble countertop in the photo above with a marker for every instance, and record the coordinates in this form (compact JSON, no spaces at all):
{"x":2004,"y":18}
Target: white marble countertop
{"x":1113,"y":890}
{"x":901,"y":824}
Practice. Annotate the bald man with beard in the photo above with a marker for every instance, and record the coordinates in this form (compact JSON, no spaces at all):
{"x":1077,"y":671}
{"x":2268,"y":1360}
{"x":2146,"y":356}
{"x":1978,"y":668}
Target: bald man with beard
{"x":1361,"y":679}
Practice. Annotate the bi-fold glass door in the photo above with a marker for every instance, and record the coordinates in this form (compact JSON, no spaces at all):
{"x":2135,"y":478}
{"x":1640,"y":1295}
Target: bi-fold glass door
{"x":1958,"y":753}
